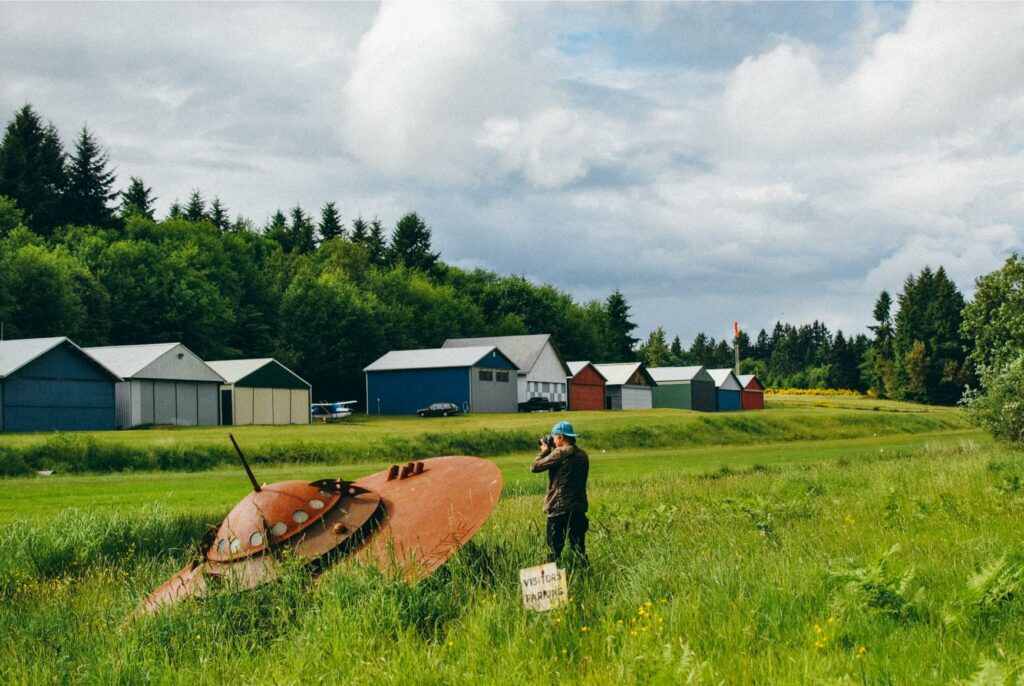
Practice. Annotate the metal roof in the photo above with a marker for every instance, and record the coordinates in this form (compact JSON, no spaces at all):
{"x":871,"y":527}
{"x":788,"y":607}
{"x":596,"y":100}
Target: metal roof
{"x":667,"y":374}
{"x":577,"y":367}
{"x":234,"y":371}
{"x":521,"y":350}
{"x":433,"y":358}
{"x":618,"y":374}
{"x":15,"y":354}
{"x":721,"y":377}
{"x":129,"y":360}
{"x":745,"y":379}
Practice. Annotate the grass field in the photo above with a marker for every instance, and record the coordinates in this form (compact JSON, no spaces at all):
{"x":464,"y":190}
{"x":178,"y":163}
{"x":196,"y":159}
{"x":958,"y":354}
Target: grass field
{"x":821,"y":541}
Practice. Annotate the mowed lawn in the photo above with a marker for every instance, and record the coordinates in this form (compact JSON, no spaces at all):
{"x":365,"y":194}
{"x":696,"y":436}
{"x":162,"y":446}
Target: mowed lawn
{"x":889,"y":554}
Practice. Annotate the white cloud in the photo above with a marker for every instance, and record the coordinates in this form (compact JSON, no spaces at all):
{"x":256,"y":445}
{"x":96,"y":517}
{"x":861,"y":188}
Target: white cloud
{"x":792,"y":181}
{"x":427,"y":76}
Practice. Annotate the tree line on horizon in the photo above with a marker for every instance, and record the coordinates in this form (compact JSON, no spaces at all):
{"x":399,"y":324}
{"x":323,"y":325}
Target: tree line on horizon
{"x":81,"y":259}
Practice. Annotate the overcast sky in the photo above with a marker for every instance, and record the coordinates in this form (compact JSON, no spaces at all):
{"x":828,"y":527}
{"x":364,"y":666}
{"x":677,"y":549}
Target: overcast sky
{"x":714,"y":162}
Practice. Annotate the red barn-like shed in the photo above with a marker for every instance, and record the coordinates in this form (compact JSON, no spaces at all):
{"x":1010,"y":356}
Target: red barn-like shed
{"x":586,"y":387}
{"x":752,"y":397}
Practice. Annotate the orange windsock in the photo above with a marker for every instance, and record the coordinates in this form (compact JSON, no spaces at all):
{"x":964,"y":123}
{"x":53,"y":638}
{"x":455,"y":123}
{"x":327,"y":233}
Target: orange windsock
{"x":736,"y":329}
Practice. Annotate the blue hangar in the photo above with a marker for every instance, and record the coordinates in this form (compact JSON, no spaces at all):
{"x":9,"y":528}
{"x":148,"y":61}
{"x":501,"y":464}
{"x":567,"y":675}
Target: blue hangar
{"x":50,"y":384}
{"x":477,"y":379}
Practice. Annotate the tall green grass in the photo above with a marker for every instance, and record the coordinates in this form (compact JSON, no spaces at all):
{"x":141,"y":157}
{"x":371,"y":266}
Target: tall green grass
{"x":905,"y":568}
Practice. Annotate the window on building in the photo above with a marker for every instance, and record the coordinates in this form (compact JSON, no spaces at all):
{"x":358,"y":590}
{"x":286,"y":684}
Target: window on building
{"x":486,"y":375}
{"x":546,"y":387}
{"x":502,"y":376}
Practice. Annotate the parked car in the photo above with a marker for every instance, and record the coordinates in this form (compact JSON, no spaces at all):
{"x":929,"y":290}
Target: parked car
{"x":541,"y":404}
{"x":439,"y":410}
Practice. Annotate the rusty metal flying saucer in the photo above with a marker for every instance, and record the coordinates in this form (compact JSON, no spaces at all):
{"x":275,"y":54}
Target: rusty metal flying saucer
{"x":406,"y":520}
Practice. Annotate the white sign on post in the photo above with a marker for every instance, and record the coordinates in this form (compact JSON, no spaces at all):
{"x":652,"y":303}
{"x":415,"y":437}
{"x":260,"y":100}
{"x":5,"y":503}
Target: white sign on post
{"x":543,"y":587}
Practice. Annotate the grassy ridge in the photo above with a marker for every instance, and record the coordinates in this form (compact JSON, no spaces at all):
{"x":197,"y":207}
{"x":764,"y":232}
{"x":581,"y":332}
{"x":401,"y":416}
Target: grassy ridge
{"x":364,"y":439}
{"x":900,"y":566}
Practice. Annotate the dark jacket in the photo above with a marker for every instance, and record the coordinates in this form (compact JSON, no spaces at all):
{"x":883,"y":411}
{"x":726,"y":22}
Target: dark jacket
{"x":567,"y":469}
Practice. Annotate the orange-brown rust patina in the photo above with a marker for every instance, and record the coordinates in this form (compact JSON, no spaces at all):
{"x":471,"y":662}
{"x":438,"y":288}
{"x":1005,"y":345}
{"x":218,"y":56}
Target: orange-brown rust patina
{"x":430,"y":514}
{"x":406,"y":520}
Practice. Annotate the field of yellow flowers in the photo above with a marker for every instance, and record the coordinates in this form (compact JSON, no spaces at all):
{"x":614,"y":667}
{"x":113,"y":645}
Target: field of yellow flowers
{"x":892,"y":558}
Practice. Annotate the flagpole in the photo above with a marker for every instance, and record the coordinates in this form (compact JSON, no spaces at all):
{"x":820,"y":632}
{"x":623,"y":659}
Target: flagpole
{"x":736,"y":345}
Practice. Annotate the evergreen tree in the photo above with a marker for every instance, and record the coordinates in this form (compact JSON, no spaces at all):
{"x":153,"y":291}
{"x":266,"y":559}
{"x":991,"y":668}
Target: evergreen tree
{"x":137,"y":199}
{"x":723,"y":355}
{"x":32,"y":170}
{"x":219,"y":215}
{"x":620,"y":328}
{"x":376,"y":244}
{"x":410,"y":244}
{"x":878,"y":367}
{"x":930,"y":313}
{"x":360,"y":230}
{"x":195,"y":210}
{"x":761,"y":350}
{"x":277,"y":230}
{"x":743,"y":343}
{"x":174,"y":212}
{"x":842,"y":365}
{"x":702,"y":351}
{"x":330,"y":223}
{"x":676,"y":353}
{"x":90,"y":183}
{"x":302,"y":231}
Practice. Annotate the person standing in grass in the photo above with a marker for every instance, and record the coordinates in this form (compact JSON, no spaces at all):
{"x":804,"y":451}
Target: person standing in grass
{"x":567,"y":466}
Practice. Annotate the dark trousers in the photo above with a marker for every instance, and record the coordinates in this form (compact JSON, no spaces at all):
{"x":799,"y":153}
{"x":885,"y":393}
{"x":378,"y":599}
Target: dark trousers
{"x":576,"y":524}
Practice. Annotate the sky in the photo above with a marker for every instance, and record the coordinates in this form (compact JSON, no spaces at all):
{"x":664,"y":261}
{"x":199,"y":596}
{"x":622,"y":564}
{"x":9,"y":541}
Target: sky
{"x":715,"y":162}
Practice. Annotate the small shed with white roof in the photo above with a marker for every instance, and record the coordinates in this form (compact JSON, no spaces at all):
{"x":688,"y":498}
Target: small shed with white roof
{"x":752,"y":397}
{"x":727,"y":389}
{"x":50,"y":384}
{"x":477,"y":379}
{"x":262,"y":391}
{"x":586,"y":387}
{"x":164,"y":383}
{"x":628,"y":387}
{"x":685,"y":388}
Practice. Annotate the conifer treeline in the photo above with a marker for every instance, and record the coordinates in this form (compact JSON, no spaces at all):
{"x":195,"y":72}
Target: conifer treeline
{"x":80,"y":259}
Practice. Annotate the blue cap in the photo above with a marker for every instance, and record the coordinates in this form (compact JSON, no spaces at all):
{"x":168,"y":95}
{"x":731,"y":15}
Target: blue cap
{"x":563,"y":428}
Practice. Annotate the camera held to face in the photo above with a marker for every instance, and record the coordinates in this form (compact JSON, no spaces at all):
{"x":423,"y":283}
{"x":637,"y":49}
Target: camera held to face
{"x":548,"y":441}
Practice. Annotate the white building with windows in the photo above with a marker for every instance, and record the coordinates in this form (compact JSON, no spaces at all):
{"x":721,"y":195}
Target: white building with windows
{"x":542,"y":371}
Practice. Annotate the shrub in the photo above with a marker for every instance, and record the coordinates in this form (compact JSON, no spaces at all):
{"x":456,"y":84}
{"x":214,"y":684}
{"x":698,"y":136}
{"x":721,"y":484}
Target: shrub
{"x":998,"y":407}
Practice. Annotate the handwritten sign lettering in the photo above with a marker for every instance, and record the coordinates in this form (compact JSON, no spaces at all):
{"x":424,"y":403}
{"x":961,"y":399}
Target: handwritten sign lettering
{"x":543,"y":587}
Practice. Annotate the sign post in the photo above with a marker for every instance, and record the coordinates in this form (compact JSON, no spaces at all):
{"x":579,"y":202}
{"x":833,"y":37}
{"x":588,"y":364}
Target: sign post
{"x":543,"y":587}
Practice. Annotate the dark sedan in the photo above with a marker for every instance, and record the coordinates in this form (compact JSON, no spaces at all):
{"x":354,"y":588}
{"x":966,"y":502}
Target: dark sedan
{"x":541,"y":404}
{"x":439,"y":410}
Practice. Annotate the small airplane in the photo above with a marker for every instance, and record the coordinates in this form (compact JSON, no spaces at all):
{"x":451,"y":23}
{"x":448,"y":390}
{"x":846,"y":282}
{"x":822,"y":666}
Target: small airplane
{"x":332,"y":412}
